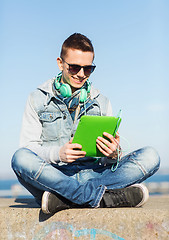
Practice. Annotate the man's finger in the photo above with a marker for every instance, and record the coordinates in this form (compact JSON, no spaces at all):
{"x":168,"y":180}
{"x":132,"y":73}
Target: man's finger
{"x":108,"y":135}
{"x":103,"y":146}
{"x":70,"y":160}
{"x":104,"y":141}
{"x":77,"y":152}
{"x":101,"y":150}
{"x":76,"y":146}
{"x":70,"y":141}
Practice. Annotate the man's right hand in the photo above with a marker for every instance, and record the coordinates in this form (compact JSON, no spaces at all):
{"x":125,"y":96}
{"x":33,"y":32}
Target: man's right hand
{"x":68,"y":153}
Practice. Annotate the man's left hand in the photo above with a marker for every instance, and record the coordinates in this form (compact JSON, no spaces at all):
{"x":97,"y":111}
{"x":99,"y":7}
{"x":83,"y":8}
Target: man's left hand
{"x":107,"y":147}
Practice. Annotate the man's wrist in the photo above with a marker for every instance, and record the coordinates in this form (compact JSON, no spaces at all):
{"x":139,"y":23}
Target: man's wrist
{"x":116,"y":154}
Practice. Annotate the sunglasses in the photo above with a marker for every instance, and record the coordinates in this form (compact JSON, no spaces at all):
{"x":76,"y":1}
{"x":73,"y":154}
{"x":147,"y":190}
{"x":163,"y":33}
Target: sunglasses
{"x":74,"y":68}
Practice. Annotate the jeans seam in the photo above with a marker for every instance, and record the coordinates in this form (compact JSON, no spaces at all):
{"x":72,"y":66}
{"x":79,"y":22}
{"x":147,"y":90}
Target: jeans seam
{"x":39,"y":171}
{"x":42,"y":184}
{"x":140,"y":166}
{"x":95,"y":205}
{"x":150,"y":174}
{"x":99,"y":197}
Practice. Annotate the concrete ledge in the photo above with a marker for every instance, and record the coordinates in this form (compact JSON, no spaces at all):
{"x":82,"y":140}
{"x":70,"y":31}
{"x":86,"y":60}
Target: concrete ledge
{"x":23,"y":219}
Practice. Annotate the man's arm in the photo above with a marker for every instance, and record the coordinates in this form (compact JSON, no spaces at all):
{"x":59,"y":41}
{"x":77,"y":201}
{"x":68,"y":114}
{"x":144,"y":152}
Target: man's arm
{"x":109,"y":111}
{"x":30,"y":136}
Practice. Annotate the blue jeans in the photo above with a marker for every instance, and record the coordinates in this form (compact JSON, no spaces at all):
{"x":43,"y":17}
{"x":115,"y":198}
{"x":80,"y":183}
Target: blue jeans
{"x":83,"y":183}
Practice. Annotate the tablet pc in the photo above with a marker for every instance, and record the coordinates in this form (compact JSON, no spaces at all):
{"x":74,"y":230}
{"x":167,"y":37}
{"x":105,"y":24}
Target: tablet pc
{"x":90,"y":127}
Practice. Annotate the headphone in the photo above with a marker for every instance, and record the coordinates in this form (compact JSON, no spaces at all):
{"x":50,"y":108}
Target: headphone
{"x":66,"y":91}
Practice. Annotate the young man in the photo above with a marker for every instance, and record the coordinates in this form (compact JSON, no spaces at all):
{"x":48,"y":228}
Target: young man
{"x":55,"y":170}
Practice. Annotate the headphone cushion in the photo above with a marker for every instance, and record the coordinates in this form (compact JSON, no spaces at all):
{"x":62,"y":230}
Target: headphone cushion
{"x":57,"y":85}
{"x":88,"y":86}
{"x":83,"y":95}
{"x":65,"y":90}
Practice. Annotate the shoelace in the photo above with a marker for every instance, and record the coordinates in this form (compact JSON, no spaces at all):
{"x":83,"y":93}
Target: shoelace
{"x":116,"y":198}
{"x":120,"y":198}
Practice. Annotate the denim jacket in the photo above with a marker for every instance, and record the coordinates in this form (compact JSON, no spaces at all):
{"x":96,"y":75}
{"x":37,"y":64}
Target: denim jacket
{"x":47,"y":124}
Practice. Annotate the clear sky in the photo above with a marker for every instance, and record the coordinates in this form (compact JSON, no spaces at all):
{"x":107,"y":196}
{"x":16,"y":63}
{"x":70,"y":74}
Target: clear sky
{"x":131,"y":40}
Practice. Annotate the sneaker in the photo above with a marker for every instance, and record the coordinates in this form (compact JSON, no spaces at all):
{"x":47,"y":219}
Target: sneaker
{"x":133,"y":196}
{"x":52,"y":203}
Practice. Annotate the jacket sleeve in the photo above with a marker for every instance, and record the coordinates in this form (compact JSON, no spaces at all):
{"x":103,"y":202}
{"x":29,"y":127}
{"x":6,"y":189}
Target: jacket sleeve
{"x":109,"y":109}
{"x":30,"y":136}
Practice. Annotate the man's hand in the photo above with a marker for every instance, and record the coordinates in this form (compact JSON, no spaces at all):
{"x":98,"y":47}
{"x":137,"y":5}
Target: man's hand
{"x":107,"y":147}
{"x":68,"y":153}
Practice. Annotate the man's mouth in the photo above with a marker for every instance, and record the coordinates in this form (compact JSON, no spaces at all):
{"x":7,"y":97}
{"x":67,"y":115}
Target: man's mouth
{"x":79,"y":81}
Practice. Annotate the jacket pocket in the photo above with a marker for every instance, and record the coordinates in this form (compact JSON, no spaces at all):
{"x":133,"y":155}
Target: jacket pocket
{"x":93,"y":110}
{"x":49,"y":117}
{"x":51,"y":125}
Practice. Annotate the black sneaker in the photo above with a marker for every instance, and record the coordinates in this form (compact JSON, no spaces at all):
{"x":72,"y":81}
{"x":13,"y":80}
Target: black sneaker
{"x":133,"y":196}
{"x":52,"y":203}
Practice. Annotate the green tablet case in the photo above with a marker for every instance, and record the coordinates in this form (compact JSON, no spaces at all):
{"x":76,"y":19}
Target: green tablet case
{"x":90,"y":127}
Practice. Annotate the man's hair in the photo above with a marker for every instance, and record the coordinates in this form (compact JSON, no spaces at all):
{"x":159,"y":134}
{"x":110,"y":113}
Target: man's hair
{"x":76,"y":41}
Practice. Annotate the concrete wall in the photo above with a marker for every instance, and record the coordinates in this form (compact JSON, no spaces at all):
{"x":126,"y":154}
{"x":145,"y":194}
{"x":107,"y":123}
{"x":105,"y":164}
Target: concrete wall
{"x":22,"y":219}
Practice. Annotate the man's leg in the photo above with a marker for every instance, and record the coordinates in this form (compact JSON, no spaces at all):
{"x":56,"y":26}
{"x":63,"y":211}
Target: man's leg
{"x":123,"y":188}
{"x":133,"y":168}
{"x":34,"y":191}
{"x":44,"y":177}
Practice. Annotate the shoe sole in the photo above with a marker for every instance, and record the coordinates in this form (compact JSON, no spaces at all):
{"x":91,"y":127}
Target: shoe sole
{"x":44,"y":206}
{"x":145,"y":193}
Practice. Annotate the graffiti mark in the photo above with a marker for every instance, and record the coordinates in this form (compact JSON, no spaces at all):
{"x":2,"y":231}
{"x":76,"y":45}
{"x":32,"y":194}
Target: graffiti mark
{"x":93,"y":232}
{"x":66,"y":231}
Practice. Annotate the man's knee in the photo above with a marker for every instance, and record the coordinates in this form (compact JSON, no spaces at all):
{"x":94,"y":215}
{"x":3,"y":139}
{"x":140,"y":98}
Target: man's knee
{"x":150,"y":159}
{"x":19,"y":159}
{"x":152,"y":156}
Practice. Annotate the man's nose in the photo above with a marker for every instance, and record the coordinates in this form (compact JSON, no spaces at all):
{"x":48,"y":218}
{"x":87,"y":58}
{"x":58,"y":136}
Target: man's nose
{"x":81,"y":73}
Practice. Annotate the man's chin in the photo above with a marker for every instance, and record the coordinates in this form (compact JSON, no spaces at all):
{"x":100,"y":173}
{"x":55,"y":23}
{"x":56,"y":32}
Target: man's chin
{"x":75,"y":87}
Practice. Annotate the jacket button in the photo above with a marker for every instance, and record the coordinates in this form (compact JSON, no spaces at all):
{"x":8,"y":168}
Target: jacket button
{"x":64,"y":117}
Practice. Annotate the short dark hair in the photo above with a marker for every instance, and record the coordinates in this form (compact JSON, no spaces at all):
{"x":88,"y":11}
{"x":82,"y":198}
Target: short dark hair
{"x":77,"y":41}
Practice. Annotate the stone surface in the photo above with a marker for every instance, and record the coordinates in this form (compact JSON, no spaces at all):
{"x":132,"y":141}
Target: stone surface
{"x":23,"y":219}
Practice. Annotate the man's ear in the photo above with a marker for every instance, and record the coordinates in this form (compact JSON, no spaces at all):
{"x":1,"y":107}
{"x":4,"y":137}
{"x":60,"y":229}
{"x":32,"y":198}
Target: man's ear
{"x":60,"y":63}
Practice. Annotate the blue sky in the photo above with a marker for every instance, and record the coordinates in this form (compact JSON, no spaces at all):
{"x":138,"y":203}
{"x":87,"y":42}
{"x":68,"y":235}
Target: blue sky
{"x":132,"y":57}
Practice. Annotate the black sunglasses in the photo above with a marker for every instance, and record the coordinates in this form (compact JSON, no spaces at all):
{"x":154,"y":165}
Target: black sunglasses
{"x":74,"y":68}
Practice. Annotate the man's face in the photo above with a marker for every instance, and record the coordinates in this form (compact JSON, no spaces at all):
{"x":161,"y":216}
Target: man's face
{"x":78,"y":57}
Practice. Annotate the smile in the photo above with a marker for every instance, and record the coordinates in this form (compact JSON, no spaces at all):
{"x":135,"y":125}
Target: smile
{"x":79,"y":81}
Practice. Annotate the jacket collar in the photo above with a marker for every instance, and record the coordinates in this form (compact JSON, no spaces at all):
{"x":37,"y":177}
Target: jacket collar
{"x":47,"y":88}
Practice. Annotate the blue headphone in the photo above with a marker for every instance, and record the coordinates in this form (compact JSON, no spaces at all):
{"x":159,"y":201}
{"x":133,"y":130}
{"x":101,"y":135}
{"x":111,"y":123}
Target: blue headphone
{"x":66,"y":91}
